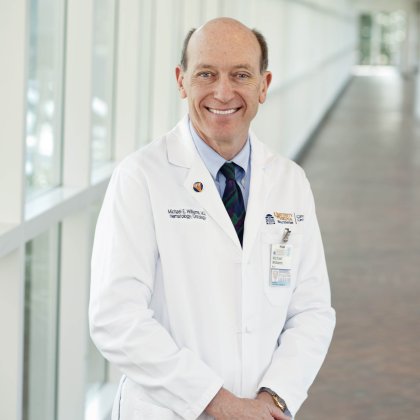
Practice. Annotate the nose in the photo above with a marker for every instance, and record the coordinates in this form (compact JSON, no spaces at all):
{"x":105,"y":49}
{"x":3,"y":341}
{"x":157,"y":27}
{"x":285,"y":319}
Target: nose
{"x":223,"y":90}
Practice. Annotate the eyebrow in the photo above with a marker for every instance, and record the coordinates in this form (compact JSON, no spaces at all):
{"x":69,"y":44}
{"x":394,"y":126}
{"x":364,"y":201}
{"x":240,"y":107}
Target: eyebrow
{"x":236,"y":67}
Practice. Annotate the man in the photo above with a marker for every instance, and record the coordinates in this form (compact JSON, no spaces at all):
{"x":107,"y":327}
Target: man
{"x":209,"y":284}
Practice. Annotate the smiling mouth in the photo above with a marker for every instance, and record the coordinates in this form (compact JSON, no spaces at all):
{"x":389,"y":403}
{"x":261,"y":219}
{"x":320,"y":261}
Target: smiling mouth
{"x":223,"y":111}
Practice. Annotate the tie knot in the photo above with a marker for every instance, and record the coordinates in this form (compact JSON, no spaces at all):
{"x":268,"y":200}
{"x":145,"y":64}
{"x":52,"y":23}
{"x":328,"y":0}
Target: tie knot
{"x":228,"y":170}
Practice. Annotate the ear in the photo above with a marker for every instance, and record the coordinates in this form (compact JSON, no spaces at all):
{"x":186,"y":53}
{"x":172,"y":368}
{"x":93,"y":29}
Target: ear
{"x":264,"y":86}
{"x":179,"y":74}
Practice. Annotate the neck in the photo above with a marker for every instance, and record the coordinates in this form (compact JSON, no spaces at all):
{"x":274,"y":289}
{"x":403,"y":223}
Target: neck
{"x":228,"y":150}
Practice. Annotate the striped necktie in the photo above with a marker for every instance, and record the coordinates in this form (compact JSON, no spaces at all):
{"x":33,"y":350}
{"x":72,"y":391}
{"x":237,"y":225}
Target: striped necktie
{"x":233,"y":200}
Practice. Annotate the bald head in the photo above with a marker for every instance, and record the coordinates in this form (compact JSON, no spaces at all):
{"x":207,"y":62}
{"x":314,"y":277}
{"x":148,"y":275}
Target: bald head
{"x":222,"y":29}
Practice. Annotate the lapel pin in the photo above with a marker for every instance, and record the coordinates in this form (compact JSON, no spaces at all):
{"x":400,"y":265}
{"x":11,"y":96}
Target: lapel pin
{"x":198,"y":186}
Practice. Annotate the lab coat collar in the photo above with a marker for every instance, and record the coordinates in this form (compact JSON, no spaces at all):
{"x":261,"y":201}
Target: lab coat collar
{"x":182,"y":152}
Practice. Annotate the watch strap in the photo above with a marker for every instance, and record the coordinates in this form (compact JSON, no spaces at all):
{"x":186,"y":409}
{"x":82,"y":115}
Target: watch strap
{"x":278,"y":401}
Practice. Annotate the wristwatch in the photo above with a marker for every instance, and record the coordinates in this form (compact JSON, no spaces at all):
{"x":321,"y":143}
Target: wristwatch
{"x":280,"y":403}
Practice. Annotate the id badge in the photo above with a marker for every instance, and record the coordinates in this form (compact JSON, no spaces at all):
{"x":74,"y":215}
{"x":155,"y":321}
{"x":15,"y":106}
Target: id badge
{"x":281,"y":264}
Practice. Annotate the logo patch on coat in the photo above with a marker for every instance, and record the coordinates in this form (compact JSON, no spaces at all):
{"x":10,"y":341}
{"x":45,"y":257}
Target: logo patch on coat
{"x":269,"y":219}
{"x":300,"y":218}
{"x":284,"y":218}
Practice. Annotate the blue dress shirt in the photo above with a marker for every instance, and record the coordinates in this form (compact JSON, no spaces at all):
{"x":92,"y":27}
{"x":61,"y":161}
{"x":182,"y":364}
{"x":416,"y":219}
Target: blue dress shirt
{"x":214,"y":162}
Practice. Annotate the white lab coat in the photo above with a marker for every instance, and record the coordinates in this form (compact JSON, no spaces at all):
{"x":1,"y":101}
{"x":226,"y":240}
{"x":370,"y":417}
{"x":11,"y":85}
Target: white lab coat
{"x":181,"y":308}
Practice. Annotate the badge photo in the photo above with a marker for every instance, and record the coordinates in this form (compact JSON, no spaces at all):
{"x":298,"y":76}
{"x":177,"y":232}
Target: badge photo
{"x":280,"y":277}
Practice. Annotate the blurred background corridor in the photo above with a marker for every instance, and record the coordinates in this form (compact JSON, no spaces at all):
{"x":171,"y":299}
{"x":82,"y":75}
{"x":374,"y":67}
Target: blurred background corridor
{"x":86,"y":82}
{"x":364,"y":166}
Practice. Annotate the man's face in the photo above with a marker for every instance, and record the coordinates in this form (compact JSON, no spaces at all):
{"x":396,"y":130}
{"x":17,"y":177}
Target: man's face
{"x":223,"y":82}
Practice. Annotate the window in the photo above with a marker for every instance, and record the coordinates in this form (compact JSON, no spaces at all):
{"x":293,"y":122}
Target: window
{"x":44,"y":95}
{"x":40,"y":329}
{"x":381,"y":34}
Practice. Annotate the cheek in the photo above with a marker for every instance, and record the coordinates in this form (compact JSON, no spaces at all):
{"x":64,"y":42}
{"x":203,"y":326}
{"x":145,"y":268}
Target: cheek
{"x":197,"y":94}
{"x":254,"y":95}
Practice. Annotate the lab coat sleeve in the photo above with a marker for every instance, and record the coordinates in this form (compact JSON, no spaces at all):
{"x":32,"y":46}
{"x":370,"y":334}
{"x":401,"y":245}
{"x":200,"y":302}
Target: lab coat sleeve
{"x":310,"y":322}
{"x":122,"y":325}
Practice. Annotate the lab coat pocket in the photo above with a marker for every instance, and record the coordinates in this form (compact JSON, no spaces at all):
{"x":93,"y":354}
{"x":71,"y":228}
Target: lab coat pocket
{"x":279,"y":265}
{"x":147,"y":411}
{"x":135,"y":405}
{"x":137,"y":409}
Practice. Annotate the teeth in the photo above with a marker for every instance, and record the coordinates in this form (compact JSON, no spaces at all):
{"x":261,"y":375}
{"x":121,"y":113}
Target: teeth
{"x":224,"y":112}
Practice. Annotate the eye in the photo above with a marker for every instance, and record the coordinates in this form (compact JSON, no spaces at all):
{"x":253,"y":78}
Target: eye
{"x":205,"y":74}
{"x":242,"y":76}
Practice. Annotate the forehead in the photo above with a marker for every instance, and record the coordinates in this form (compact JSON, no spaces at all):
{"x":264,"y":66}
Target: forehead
{"x":218,"y":46}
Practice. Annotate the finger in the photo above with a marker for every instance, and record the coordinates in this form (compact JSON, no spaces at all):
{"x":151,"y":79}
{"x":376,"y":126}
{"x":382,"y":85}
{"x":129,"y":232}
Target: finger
{"x":279,"y":415}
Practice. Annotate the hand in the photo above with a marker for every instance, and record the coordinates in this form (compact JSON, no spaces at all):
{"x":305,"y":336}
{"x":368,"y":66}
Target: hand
{"x":226,"y":406}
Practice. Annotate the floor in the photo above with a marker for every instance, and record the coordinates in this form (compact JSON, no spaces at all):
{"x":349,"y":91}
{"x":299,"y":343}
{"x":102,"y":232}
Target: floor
{"x":364,"y":167}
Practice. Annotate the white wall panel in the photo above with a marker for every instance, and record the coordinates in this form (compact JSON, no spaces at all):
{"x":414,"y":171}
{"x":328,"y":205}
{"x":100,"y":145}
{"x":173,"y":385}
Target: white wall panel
{"x":210,"y":9}
{"x":240,"y":10}
{"x":192,"y":12}
{"x":13,"y":36}
{"x":168,"y":38}
{"x":78,"y":94}
{"x":127,"y":71}
{"x":146,"y":74}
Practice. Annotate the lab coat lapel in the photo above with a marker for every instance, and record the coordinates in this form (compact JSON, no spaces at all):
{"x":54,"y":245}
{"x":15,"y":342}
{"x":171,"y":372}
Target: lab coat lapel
{"x":182,"y":152}
{"x":259,"y":190}
{"x":209,"y":197}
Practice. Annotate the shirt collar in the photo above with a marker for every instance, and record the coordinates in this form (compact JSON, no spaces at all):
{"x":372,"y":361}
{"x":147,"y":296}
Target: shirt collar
{"x":213,"y":160}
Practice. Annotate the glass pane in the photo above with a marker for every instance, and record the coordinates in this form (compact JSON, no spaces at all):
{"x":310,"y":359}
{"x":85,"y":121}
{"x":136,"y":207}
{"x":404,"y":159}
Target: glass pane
{"x":381,"y":35}
{"x":97,"y":366}
{"x":44,"y":95}
{"x":102,"y":80}
{"x":40,"y":329}
{"x":365,"y":29}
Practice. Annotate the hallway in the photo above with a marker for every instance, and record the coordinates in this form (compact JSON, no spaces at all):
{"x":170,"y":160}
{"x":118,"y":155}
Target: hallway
{"x":364,"y":167}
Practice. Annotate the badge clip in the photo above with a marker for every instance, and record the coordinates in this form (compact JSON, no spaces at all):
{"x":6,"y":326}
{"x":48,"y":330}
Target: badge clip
{"x":286,"y":235}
